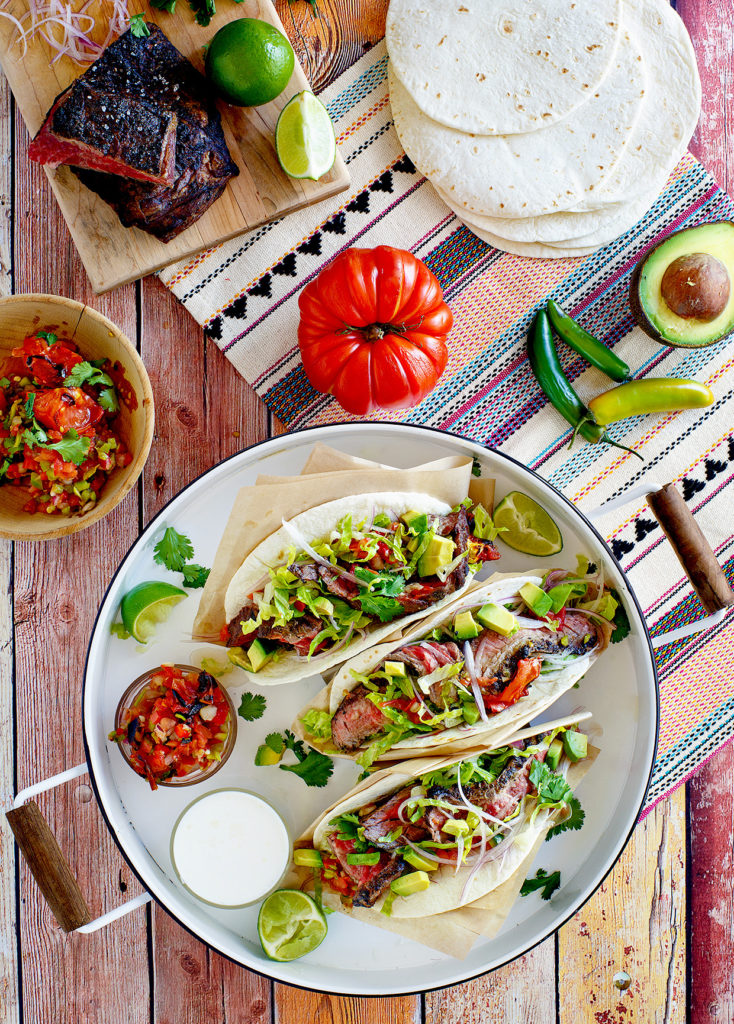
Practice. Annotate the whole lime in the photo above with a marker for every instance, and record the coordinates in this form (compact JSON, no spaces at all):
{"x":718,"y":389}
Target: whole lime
{"x":249,"y":62}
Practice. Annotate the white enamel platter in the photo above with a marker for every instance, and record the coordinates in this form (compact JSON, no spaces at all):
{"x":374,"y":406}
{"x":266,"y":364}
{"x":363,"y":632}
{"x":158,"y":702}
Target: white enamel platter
{"x":620,"y":690}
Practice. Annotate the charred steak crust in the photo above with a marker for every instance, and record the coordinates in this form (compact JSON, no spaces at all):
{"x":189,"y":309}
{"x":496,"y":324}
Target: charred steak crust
{"x":152,"y":69}
{"x":356,"y":719}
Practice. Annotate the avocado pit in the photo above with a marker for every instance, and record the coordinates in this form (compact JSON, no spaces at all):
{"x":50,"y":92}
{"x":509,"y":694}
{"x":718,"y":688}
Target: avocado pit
{"x":696,"y":285}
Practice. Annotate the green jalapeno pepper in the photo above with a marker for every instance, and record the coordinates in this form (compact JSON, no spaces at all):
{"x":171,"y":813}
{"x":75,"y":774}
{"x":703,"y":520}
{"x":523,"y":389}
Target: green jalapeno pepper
{"x":549,"y":373}
{"x":593,"y":350}
{"x":655,"y":394}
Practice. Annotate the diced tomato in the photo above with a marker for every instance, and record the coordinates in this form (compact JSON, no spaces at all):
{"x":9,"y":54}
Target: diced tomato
{"x":66,"y":409}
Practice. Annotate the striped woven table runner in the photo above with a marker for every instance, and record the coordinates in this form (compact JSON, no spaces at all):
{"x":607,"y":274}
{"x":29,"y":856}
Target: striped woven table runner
{"x":245,"y":295}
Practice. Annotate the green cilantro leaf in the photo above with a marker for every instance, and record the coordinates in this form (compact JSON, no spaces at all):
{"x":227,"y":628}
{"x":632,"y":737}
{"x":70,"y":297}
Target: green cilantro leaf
{"x":138,"y":27}
{"x":276,"y":742}
{"x":47,"y":336}
{"x":252,"y":706}
{"x":204,"y":11}
{"x":164,"y":5}
{"x":315,"y":769}
{"x":29,"y":404}
{"x":4,"y":382}
{"x":621,"y":621}
{"x":476,"y":467}
{"x":552,"y":788}
{"x":385,"y":608}
{"x":108,"y":396}
{"x":194,"y":575}
{"x":573,"y":821}
{"x":173,"y":550}
{"x":72,"y":448}
{"x":388,"y":583}
{"x":547,"y":883}
{"x":4,"y":468}
{"x":117,"y":629}
{"x":85,"y":373}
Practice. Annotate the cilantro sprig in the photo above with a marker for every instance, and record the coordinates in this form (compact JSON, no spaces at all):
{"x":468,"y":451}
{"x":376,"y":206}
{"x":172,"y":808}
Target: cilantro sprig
{"x":173,"y":551}
{"x":547,"y":883}
{"x":86,"y":373}
{"x":138,"y":27}
{"x":621,"y":621}
{"x":252,"y":706}
{"x":314,"y":768}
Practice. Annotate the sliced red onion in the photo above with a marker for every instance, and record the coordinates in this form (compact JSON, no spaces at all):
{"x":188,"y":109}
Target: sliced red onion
{"x":469,"y":662}
{"x":343,"y":640}
{"x":295,"y":534}
{"x":527,"y":623}
{"x":459,"y":853}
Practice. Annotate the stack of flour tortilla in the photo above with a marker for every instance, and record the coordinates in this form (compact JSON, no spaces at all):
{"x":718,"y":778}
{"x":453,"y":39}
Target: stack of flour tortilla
{"x":548,"y":126}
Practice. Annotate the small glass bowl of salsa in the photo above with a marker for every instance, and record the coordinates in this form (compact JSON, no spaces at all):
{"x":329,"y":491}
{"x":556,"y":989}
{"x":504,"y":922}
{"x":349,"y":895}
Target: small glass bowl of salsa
{"x":175,"y":725}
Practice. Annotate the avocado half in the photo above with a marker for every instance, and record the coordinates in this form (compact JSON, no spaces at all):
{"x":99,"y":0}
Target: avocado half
{"x":652,"y":312}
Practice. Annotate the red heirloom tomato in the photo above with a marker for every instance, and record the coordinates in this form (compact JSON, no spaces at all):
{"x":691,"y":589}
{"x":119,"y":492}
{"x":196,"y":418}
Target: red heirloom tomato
{"x":373,"y":329}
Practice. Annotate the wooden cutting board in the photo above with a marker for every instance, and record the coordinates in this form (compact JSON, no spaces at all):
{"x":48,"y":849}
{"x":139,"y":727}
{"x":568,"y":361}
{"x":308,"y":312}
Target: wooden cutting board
{"x":114,"y":255}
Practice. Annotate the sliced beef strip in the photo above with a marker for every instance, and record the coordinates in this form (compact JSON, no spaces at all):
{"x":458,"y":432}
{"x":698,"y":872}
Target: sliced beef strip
{"x":305,"y":627}
{"x":499,"y":798}
{"x":306,"y":571}
{"x":338,"y":586}
{"x":356,"y":719}
{"x":152,"y":68}
{"x":371,"y":880}
{"x":384,"y":820}
{"x":496,"y":656}
{"x":235,"y":635}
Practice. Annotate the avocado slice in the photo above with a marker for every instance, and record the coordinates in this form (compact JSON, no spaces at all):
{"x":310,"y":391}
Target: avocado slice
{"x":535,"y":598}
{"x":465,"y":627}
{"x":553,"y":757}
{"x":411,"y":883}
{"x":258,"y":655}
{"x":265,"y":756}
{"x":682,"y":291}
{"x":575,"y":744}
{"x":417,"y":522}
{"x":439,"y":552}
{"x":497,"y":618}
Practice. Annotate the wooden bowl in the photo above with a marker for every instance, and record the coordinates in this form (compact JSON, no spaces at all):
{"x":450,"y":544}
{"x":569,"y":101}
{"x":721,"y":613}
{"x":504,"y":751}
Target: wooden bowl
{"x":97,"y":338}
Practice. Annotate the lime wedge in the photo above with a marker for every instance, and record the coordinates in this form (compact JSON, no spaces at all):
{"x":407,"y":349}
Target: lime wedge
{"x":528,"y":527}
{"x":290,"y":924}
{"x":143,"y":607}
{"x":304,"y":138}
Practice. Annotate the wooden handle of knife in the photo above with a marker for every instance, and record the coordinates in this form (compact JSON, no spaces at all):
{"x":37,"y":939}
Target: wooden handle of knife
{"x":48,"y":866}
{"x":693,"y":550}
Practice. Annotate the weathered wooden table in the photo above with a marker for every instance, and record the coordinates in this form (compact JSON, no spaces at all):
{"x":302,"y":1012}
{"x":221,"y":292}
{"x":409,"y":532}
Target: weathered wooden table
{"x":665,"y":915}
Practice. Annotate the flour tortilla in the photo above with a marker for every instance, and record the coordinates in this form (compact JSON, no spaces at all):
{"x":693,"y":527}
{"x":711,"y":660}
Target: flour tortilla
{"x":501,"y":68}
{"x":669,"y":114}
{"x":542,"y":693}
{"x":544,"y":171}
{"x":446,"y":891}
{"x":316,"y":524}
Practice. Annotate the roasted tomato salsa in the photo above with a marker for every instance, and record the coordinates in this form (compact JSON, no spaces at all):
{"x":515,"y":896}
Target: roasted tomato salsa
{"x":59,"y":431}
{"x":178,"y":723}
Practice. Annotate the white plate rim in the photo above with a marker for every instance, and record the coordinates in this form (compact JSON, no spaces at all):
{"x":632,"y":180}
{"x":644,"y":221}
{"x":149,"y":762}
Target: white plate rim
{"x":280,"y":972}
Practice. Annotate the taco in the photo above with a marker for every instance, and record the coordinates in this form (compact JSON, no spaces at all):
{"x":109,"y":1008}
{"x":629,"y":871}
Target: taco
{"x":467,"y":675}
{"x":428,"y":836}
{"x":342,"y":576}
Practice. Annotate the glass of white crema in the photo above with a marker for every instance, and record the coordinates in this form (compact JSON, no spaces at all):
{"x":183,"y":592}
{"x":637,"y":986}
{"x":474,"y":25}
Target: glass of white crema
{"x":230,"y":848}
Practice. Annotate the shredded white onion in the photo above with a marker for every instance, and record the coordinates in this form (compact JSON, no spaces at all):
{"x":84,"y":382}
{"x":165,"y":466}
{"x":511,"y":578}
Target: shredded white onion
{"x":525,"y":622}
{"x":295,"y":534}
{"x":469,"y":662}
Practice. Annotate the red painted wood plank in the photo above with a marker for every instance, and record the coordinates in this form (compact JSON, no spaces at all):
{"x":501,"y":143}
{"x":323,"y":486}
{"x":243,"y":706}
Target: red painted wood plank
{"x":711,"y":890}
{"x":711,"y":25}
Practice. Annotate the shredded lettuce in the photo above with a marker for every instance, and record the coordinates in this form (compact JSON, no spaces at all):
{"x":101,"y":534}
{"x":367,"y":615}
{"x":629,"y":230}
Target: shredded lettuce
{"x":317,"y":723}
{"x":484,"y":527}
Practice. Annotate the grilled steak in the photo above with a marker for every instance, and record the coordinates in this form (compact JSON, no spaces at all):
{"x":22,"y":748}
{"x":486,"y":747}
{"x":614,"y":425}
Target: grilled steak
{"x":154,"y":85}
{"x":338,"y":586}
{"x":306,"y":571}
{"x":296,"y":632}
{"x":355,"y":720}
{"x":108,"y":130}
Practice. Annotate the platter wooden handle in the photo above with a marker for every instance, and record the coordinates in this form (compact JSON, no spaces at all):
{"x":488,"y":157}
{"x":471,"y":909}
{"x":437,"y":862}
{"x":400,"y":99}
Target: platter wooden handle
{"x":693,"y":550}
{"x":49,"y":866}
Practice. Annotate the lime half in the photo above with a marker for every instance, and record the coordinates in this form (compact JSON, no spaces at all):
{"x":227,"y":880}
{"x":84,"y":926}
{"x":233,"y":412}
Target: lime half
{"x":290,"y":924}
{"x":304,"y":138}
{"x":143,"y":607}
{"x":527,"y":525}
